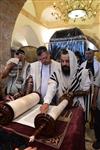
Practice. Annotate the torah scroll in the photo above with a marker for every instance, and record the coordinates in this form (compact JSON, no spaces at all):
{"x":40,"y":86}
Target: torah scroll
{"x":13,"y":109}
{"x":48,"y":120}
{"x":56,"y":110}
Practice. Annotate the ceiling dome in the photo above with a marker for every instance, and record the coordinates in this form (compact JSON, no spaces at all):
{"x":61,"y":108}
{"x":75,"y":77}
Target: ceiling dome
{"x":47,"y":14}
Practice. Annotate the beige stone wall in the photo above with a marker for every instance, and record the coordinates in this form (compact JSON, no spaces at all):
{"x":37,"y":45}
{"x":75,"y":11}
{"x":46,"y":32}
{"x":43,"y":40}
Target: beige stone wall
{"x":9,"y":10}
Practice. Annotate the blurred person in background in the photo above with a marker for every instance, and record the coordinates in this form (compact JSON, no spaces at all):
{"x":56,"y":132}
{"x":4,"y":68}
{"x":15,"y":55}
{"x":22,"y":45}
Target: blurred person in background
{"x":16,"y":71}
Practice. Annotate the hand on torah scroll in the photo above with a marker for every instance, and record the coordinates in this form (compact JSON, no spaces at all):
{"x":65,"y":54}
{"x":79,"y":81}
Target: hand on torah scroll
{"x":9,"y":98}
{"x":68,"y":96}
{"x":28,"y":148}
{"x":44,"y":108}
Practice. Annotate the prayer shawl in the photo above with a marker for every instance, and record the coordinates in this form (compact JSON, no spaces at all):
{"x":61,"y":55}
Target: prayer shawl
{"x":17,"y":76}
{"x":96,"y":66}
{"x":35,"y":72}
{"x":88,"y":99}
{"x":78,"y":80}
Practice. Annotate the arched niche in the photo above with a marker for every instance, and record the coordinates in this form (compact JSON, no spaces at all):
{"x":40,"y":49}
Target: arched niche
{"x":72,"y":39}
{"x":26,"y":36}
{"x":59,"y":40}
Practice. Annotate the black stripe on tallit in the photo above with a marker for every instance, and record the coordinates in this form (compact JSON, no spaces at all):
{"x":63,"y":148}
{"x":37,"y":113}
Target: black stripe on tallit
{"x":63,"y":91}
{"x":76,"y":75}
{"x":77,"y":85}
{"x":79,"y":69}
{"x":54,"y":77}
{"x":75,"y":82}
{"x":65,"y":88}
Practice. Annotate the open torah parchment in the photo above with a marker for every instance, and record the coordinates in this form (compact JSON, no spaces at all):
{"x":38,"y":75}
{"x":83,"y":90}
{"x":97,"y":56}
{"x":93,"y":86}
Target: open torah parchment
{"x":24,"y":110}
{"x":28,"y":117}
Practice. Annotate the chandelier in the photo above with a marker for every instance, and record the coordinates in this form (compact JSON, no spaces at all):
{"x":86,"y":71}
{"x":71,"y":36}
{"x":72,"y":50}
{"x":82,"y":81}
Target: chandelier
{"x":75,"y":9}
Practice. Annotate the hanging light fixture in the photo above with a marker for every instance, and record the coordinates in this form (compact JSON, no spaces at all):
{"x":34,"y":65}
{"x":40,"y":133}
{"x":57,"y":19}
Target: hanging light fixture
{"x":75,"y":9}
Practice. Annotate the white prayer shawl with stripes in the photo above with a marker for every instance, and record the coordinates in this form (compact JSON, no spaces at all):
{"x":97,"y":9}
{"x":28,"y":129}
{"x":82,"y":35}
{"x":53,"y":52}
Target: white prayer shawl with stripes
{"x":35,"y":72}
{"x":19,"y":72}
{"x":59,"y":83}
{"x":88,"y":99}
{"x":96,"y":66}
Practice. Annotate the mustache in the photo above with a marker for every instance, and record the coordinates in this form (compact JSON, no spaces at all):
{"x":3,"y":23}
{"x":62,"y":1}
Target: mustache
{"x":66,"y":70}
{"x":65,"y":67}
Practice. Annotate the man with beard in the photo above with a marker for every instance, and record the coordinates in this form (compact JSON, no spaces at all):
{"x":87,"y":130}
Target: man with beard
{"x":67,"y":80}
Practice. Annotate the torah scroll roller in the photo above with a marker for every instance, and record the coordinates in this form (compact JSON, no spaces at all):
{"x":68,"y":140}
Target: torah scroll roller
{"x":13,"y":109}
{"x":56,"y":110}
{"x":45,"y":123}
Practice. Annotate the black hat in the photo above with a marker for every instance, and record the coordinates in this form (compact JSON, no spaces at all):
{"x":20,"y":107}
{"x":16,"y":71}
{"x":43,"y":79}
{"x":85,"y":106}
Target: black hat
{"x":20,"y":51}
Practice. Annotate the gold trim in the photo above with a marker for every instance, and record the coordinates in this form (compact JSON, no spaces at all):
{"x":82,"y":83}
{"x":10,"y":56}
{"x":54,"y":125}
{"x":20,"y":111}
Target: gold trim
{"x":51,"y":25}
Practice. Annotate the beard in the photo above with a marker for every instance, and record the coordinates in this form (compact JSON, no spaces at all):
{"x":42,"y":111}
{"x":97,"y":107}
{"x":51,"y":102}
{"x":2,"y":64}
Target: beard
{"x":66,"y":70}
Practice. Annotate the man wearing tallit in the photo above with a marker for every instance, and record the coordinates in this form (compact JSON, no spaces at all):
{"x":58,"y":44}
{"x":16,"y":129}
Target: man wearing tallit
{"x":91,"y":63}
{"x":67,"y":79}
{"x":41,"y":70}
{"x":16,"y":71}
{"x":94,"y":66}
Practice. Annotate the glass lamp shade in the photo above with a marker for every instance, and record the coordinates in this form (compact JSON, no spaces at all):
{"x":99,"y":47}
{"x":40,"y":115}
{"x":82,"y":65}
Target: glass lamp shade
{"x":75,"y":14}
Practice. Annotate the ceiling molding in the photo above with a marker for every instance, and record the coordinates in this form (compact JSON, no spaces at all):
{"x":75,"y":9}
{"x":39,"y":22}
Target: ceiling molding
{"x":34,"y":7}
{"x":50,"y":25}
{"x":29,"y":16}
{"x":43,"y":4}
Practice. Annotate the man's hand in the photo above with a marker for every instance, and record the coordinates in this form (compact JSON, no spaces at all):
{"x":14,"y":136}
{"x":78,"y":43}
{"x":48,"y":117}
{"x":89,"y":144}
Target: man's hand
{"x":9,"y":98}
{"x":28,"y":148}
{"x":44,"y":108}
{"x":69,"y":96}
{"x":17,"y":95}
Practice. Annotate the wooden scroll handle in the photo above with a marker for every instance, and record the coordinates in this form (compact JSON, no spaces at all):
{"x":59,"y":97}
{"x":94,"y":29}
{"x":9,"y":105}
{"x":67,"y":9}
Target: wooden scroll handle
{"x":6,"y":114}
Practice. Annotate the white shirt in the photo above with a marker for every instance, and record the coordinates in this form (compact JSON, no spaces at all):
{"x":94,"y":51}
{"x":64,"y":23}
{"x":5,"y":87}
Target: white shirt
{"x":45,"y":74}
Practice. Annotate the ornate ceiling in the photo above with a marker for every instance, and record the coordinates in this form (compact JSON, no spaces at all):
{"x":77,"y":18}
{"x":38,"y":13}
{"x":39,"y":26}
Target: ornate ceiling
{"x":40,"y":11}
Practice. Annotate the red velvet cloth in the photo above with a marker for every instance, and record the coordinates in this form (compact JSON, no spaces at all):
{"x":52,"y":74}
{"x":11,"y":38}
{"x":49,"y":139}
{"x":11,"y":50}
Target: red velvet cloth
{"x":74,"y":138}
